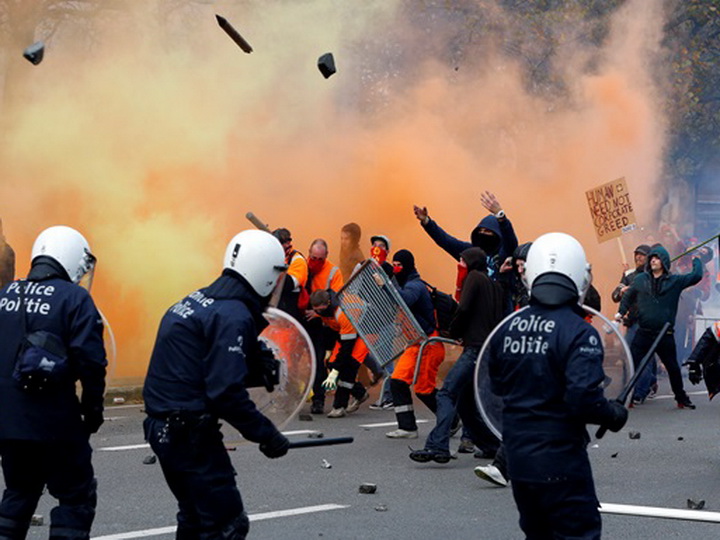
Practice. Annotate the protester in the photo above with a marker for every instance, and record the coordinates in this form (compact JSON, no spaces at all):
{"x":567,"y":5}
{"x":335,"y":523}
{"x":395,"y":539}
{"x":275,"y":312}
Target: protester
{"x":350,"y":252}
{"x":416,"y":296}
{"x":294,"y":296}
{"x":546,"y":365}
{"x":348,"y":354}
{"x":205,"y":357}
{"x":656,"y":293}
{"x":322,"y":275}
{"x":479,"y":310}
{"x":50,"y":320}
{"x":494,"y":234}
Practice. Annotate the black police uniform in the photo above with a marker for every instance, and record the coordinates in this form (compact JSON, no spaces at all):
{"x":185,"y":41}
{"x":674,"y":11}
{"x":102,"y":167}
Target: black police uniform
{"x":44,"y":435}
{"x":546,"y":364}
{"x":197,"y":375}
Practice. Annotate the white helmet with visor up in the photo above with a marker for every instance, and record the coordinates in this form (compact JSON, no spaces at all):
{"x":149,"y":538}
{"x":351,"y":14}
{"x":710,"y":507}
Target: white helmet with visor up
{"x":69,"y":248}
{"x":557,"y":269}
{"x":258,"y":257}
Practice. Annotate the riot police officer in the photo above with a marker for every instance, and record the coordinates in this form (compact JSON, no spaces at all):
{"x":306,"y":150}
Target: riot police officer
{"x":206,"y":352}
{"x":50,"y":337}
{"x":546,"y":364}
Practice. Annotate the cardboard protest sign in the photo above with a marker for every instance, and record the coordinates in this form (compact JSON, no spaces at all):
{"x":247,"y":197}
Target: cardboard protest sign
{"x":611,"y":210}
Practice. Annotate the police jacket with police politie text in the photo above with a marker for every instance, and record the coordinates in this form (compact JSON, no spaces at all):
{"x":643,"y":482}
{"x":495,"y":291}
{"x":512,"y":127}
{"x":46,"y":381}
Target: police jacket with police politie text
{"x":55,"y":305}
{"x":201,"y":355}
{"x":546,"y":364}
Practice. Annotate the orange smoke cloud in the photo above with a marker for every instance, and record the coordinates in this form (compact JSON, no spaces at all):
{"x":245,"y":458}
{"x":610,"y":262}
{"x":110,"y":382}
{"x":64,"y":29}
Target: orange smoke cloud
{"x":155,"y":143}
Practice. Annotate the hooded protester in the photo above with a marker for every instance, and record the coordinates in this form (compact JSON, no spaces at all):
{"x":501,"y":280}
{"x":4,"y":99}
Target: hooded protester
{"x":479,"y":310}
{"x":545,"y":363}
{"x":656,"y":292}
{"x":494,"y":234}
{"x":415,"y":294}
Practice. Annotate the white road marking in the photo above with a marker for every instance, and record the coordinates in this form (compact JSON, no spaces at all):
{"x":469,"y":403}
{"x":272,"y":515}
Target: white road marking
{"x":389,"y":424}
{"x":253,"y":517}
{"x":657,"y":512}
{"x":139,"y":446}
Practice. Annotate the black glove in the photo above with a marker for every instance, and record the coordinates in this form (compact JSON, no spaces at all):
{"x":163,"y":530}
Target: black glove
{"x":616,"y":418}
{"x":264,"y":370}
{"x":695,"y":371}
{"x":93,"y":419}
{"x":276,"y":447}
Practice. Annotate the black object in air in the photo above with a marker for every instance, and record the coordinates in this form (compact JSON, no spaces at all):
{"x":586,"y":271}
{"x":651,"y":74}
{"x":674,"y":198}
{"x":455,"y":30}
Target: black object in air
{"x":326,"y":65}
{"x":234,"y":34}
{"x":34,"y":53}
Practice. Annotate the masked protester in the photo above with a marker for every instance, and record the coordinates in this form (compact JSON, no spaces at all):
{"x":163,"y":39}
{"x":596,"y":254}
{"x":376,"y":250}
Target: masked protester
{"x":322,"y":275}
{"x":656,"y":292}
{"x":479,"y":310}
{"x":348,"y":354}
{"x":206,"y":355}
{"x":51,"y":336}
{"x":494,"y":235}
{"x":417,"y":297}
{"x":546,"y":365}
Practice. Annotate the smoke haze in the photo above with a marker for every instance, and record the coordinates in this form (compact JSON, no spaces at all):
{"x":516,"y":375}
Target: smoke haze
{"x":157,"y":134}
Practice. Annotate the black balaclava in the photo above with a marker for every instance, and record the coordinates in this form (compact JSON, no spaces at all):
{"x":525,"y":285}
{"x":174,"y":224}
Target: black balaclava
{"x":406,"y":259}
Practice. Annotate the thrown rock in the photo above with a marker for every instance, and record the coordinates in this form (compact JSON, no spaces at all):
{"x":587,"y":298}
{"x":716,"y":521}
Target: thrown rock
{"x":35,"y":52}
{"x":149,"y":460}
{"x":615,"y":455}
{"x":316,"y":435}
{"x":326,"y":464}
{"x":381,"y":508}
{"x":634,"y":434}
{"x":695,"y":505}
{"x":367,"y":488}
{"x":326,"y":65}
{"x":304,"y":417}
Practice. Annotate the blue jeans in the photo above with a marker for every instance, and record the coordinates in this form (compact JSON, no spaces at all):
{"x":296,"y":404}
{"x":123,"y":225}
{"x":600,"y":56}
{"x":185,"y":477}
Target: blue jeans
{"x":457,"y":395}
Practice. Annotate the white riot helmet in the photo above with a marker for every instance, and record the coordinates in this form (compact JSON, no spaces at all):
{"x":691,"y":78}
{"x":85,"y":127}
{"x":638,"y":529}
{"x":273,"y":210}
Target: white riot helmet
{"x":556,"y":269}
{"x":69,"y":248}
{"x":258,"y":257}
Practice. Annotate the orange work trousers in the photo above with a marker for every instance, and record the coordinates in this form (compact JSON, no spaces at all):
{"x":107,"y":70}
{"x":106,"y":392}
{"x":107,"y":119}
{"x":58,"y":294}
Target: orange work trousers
{"x":433,"y":356}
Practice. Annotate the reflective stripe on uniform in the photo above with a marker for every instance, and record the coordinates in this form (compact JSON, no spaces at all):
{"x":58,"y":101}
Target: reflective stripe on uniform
{"x":344,"y":384}
{"x":403,"y":408}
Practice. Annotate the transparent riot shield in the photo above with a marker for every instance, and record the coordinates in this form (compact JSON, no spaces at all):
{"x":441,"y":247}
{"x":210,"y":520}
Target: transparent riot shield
{"x":617,"y":364}
{"x":292,"y":346}
{"x":110,"y":345}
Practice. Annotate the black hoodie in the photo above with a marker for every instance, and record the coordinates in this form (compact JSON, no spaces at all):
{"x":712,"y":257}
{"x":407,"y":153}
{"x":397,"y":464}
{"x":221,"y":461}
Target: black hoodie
{"x":481,"y":302}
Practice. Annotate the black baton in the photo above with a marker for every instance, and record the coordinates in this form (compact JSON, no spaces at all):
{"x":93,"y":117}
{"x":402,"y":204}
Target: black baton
{"x":307,"y":443}
{"x":634,"y":379}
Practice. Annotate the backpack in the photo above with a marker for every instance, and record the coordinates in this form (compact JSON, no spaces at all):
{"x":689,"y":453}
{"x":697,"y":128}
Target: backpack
{"x":445,"y":308}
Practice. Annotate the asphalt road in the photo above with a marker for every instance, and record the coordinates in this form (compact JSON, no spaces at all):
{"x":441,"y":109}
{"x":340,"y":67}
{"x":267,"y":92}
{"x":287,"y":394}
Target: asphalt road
{"x":676,"y":458}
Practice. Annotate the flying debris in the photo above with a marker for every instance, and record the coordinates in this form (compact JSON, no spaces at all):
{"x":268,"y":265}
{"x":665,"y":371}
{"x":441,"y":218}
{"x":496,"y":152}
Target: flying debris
{"x":326,"y":65}
{"x":234,"y":34}
{"x":34,"y":53}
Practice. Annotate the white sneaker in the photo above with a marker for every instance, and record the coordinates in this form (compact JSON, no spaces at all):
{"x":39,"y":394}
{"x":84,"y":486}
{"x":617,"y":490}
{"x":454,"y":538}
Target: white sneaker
{"x":354,"y":404}
{"x":402,"y":434}
{"x":337,"y":413}
{"x":492,"y":474}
